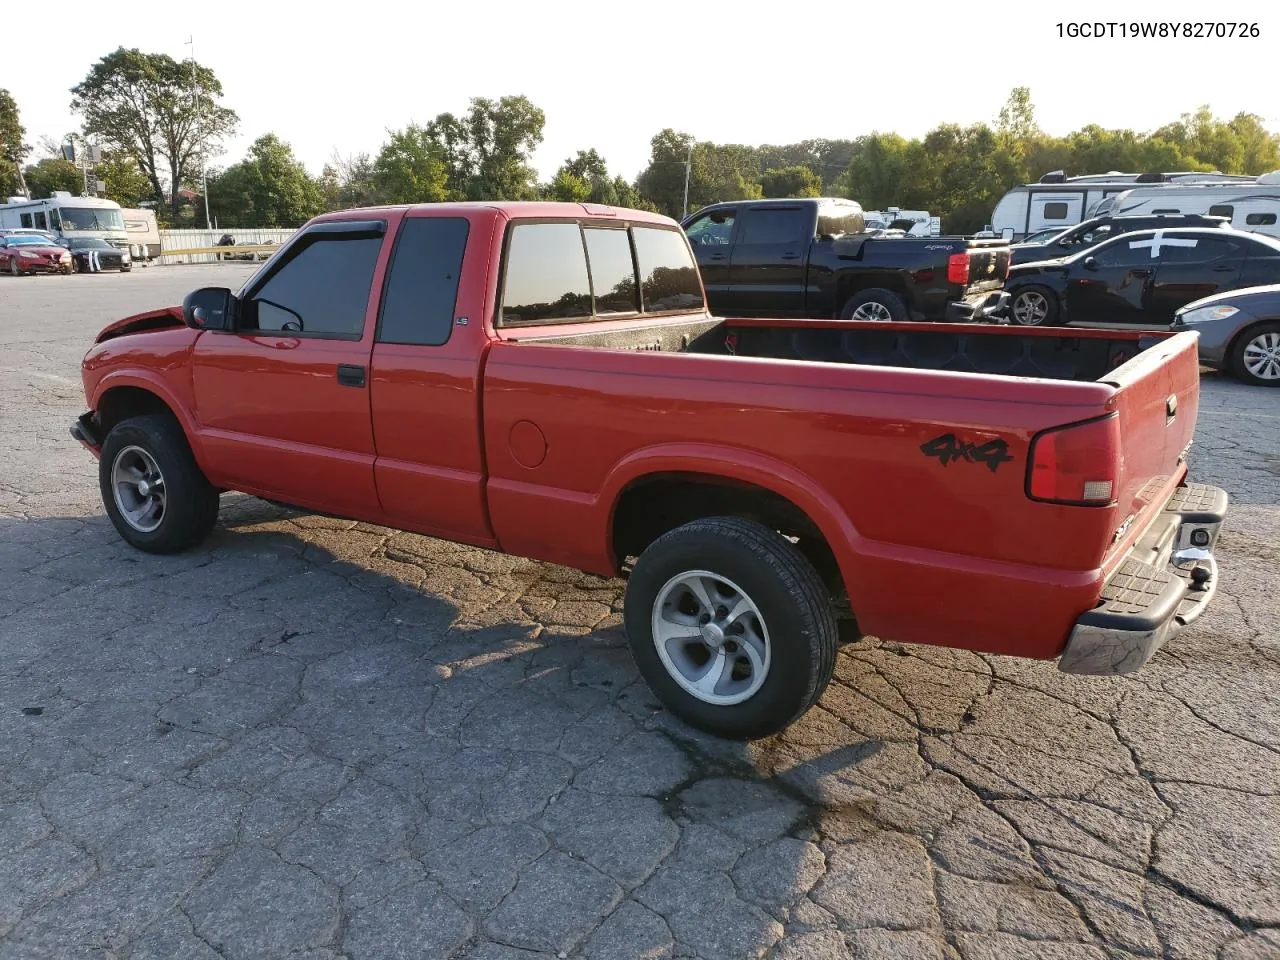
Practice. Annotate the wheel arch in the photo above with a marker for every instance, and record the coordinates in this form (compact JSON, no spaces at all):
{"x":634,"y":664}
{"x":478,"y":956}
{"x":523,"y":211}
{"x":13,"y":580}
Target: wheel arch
{"x":119,"y":397}
{"x":1238,"y":338}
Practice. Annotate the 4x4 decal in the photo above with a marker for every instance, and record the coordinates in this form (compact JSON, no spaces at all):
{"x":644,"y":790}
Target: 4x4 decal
{"x":949,"y":448}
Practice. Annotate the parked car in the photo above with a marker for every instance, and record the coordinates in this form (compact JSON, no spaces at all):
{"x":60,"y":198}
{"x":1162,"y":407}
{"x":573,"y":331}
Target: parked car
{"x":1140,"y":277}
{"x":810,"y":258}
{"x":1094,"y":231}
{"x":31,"y":232}
{"x":1239,"y":332}
{"x":545,"y":379}
{"x":109,"y":256}
{"x":30,"y":253}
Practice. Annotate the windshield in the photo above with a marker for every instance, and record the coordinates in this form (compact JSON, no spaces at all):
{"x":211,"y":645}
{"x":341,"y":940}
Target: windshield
{"x":90,"y":218}
{"x":27,"y":241}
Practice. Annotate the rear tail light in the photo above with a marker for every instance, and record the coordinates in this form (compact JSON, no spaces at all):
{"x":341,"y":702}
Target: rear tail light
{"x":958,"y":269}
{"x":1077,"y":465}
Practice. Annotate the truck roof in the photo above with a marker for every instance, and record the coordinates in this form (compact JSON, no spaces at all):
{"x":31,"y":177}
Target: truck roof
{"x":513,"y":209}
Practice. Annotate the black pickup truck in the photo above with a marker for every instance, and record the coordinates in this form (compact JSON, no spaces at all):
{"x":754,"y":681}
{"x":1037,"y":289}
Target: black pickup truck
{"x":811,"y":258}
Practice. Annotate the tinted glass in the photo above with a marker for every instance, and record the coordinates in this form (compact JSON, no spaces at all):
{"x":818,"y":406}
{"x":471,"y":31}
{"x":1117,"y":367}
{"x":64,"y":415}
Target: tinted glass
{"x":546,"y":274}
{"x":668,"y":276}
{"x":838,"y":223}
{"x":1222,"y":210}
{"x":324,"y":288}
{"x":1055,"y":211}
{"x":1180,"y":249}
{"x":1260,"y":219}
{"x":613,"y":274}
{"x":764,"y":225}
{"x":40,"y":221}
{"x":1121,"y":252}
{"x":707,"y":232}
{"x":422,"y":284}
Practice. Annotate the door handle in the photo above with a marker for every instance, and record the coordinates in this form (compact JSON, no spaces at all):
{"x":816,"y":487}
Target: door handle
{"x":791,"y":256}
{"x":718,"y":256}
{"x":1224,"y":269}
{"x":1142,"y":273}
{"x":350,"y":375}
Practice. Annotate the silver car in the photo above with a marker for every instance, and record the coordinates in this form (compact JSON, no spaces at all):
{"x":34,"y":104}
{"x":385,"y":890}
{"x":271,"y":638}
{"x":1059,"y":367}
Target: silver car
{"x":1239,"y":332}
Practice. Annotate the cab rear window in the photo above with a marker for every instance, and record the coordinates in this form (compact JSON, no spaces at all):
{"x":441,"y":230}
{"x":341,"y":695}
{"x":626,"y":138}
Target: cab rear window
{"x":566,"y":271}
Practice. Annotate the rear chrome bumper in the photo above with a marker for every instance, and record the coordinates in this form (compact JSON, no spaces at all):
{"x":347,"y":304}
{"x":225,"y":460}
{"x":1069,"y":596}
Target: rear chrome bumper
{"x":1161,"y":587}
{"x":978,"y":309}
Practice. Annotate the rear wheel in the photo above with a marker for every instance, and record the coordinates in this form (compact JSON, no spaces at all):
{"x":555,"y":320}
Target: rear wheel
{"x":157,"y":497}
{"x":1033,"y":307}
{"x":731,"y":627}
{"x":875,"y":304}
{"x":1255,"y":356}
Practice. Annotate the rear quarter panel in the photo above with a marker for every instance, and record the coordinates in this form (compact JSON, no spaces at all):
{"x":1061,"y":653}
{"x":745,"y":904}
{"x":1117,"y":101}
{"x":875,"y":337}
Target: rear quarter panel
{"x":932,"y":549}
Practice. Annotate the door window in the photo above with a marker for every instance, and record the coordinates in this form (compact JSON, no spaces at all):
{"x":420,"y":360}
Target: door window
{"x":775,"y":225}
{"x":422,"y":281}
{"x":712,"y":229}
{"x":1204,"y":250}
{"x":322,"y":290}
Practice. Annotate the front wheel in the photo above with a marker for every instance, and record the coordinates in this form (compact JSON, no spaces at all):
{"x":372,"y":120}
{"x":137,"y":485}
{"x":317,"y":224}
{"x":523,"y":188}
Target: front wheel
{"x":156,"y":495}
{"x":1255,"y":357}
{"x":1033,"y":307}
{"x":731,"y":627}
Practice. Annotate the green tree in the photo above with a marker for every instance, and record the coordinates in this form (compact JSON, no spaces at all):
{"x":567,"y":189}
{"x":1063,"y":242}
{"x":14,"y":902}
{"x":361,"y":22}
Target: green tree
{"x":797,"y":181}
{"x":126,"y":184}
{"x":269,"y":188}
{"x":51,"y":174}
{"x":569,"y":187}
{"x":12,"y":150}
{"x":875,"y":175}
{"x":349,"y":182}
{"x":1260,"y":148}
{"x":412,"y":167}
{"x":144,"y":105}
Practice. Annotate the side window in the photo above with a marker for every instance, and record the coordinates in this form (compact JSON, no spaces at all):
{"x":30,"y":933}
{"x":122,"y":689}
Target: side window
{"x":41,"y":223}
{"x":55,"y":221}
{"x":1222,"y":210}
{"x":1125,"y":251}
{"x":1166,"y":210}
{"x":712,"y":230}
{"x":320,"y":291}
{"x":669,"y":277}
{"x":1055,"y":211}
{"x":1260,"y":220}
{"x":773,"y":225}
{"x":546,"y":274}
{"x":1191,"y":250}
{"x":26,"y":220}
{"x":422,"y":281}
{"x":613,"y":272}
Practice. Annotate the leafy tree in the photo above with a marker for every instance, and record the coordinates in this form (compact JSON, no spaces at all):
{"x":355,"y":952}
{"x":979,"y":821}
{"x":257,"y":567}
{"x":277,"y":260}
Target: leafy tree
{"x":12,"y":149}
{"x":876,"y":172}
{"x":717,"y":172}
{"x":797,"y":181}
{"x":144,"y":105}
{"x":569,"y":187}
{"x":269,"y":188}
{"x":349,"y":182}
{"x":53,"y":173}
{"x":126,"y":184}
{"x":411,"y":167}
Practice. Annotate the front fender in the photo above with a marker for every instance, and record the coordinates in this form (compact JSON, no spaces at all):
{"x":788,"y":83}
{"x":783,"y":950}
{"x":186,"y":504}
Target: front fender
{"x":729,"y":463}
{"x":156,"y":384}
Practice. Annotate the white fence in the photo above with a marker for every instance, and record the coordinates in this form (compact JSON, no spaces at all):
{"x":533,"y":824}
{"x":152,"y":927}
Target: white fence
{"x":195,"y":239}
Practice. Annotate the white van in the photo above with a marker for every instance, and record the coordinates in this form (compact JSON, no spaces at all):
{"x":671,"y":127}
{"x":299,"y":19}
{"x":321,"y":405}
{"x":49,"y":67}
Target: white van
{"x":1253,"y":206}
{"x":1057,"y":200}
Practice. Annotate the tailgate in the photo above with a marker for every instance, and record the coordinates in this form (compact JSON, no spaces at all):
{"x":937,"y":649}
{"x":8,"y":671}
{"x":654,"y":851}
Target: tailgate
{"x":1158,"y":400}
{"x":988,"y":267}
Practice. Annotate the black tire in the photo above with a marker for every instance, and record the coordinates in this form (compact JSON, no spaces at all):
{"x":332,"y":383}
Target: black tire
{"x":793,"y":605}
{"x":13,"y":267}
{"x":1236,"y":359}
{"x":1028,"y":296}
{"x":890,"y":301}
{"x":190,"y":506}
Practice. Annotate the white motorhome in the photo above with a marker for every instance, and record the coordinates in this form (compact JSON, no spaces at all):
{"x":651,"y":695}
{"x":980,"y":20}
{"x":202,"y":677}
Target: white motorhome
{"x":1057,"y":200}
{"x":67,"y":217}
{"x":1253,"y":205}
{"x":921,"y":224}
{"x":144,"y":234}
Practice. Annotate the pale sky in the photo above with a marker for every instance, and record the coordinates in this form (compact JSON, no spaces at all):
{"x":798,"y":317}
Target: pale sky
{"x":611,"y":76}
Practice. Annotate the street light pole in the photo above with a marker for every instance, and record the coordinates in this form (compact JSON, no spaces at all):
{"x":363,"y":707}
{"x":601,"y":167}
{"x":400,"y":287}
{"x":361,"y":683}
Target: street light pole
{"x":195,"y":101}
{"x":688,"y":167}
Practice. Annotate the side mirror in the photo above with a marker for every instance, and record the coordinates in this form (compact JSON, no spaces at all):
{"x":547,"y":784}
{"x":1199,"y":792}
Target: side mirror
{"x":1007,"y":234}
{"x":1091,"y":263}
{"x":208,"y":308}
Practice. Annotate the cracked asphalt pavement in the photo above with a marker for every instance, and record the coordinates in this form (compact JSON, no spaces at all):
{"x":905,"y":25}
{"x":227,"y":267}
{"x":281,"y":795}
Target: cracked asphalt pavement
{"x":317,"y":739}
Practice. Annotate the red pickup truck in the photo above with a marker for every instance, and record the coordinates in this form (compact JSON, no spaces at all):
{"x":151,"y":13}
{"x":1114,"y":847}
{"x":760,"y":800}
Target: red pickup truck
{"x":545,"y":380}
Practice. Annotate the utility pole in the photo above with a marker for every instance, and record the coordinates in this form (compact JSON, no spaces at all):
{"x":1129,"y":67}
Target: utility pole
{"x":195,"y":102}
{"x":688,"y":168}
